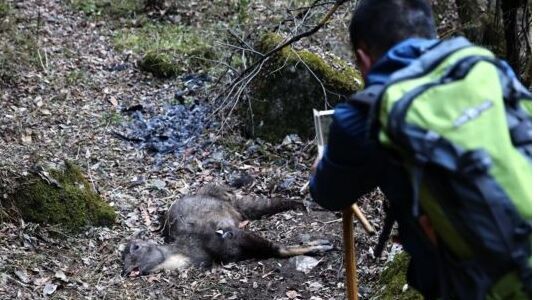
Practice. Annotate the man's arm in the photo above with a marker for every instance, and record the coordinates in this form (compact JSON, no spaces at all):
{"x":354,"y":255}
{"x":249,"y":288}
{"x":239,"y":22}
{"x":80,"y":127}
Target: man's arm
{"x":351,"y":163}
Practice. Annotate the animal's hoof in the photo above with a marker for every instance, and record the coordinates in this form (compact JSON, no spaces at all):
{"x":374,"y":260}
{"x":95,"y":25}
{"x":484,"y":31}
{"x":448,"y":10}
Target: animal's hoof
{"x":320,"y":246}
{"x":317,"y":243}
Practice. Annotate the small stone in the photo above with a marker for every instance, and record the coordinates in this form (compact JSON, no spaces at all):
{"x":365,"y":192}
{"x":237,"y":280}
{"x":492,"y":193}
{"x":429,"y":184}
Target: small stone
{"x":49,"y":289}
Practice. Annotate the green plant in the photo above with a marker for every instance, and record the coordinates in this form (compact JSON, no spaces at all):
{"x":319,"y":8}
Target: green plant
{"x":75,"y":76}
{"x":243,"y":10}
{"x":111,"y":118}
{"x":114,"y":8}
{"x":5,"y":9}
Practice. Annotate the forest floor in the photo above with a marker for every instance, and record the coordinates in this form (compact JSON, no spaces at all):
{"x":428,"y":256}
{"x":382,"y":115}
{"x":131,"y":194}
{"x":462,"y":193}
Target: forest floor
{"x":69,"y":104}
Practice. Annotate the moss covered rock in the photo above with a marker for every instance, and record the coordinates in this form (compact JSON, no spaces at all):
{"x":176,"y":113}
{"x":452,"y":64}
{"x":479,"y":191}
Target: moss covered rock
{"x":62,"y":197}
{"x":290,"y":86}
{"x":160,"y":64}
{"x":392,"y":283}
{"x":167,"y":50}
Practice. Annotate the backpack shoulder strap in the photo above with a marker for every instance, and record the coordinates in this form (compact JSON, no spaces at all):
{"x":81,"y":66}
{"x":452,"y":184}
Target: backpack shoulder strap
{"x":369,"y":100}
{"x":367,"y":96}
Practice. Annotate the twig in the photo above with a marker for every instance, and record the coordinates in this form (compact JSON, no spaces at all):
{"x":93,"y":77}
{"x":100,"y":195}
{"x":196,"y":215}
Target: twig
{"x":305,"y":10}
{"x":41,"y":60}
{"x":216,"y":62}
{"x":313,"y":5}
{"x":332,"y":221}
{"x":239,"y":92}
{"x":363,"y":220}
{"x":326,"y":104}
{"x":242,"y":41}
{"x":91,"y":178}
{"x":238,"y":48}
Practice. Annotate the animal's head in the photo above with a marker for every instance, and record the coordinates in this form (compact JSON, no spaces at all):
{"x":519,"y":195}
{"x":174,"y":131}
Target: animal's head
{"x":141,"y":257}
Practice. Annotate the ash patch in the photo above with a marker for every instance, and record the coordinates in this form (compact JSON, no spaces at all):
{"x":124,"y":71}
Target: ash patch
{"x":175,"y":126}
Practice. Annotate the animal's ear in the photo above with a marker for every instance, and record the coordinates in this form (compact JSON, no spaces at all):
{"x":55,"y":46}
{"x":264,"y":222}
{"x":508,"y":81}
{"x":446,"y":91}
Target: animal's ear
{"x":135,"y":247}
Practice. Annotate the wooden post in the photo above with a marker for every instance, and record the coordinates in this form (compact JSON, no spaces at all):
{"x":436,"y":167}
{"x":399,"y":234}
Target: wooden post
{"x":350,"y":258}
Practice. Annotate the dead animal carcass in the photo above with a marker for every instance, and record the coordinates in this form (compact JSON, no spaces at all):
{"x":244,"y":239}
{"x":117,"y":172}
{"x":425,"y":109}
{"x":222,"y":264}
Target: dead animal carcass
{"x":205,"y":228}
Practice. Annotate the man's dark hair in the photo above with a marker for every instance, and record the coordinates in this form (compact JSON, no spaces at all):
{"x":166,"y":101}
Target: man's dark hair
{"x":380,"y":24}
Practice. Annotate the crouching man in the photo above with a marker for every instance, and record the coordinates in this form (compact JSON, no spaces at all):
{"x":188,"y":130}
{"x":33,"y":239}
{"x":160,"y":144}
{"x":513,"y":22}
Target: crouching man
{"x":444,"y":129}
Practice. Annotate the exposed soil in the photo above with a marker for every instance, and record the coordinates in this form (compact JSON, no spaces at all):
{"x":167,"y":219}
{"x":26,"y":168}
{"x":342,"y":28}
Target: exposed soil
{"x":73,"y":104}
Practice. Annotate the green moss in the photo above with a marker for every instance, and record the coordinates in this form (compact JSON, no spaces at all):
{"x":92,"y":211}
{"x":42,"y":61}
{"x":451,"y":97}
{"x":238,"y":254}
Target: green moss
{"x":334,"y":73}
{"x":5,"y":9}
{"x":167,"y":50}
{"x":289,"y":87}
{"x":160,"y":64}
{"x":393,"y":279}
{"x":73,"y":204}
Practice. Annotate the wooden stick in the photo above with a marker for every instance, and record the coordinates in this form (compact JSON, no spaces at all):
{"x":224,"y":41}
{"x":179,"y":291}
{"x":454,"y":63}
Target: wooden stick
{"x":350,"y":258}
{"x":361,"y":217}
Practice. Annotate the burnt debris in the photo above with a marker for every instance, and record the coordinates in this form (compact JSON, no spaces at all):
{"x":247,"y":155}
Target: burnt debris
{"x":172,"y":129}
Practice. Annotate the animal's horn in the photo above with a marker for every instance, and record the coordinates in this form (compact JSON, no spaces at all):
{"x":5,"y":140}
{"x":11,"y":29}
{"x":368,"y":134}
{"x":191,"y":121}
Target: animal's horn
{"x":138,"y":234}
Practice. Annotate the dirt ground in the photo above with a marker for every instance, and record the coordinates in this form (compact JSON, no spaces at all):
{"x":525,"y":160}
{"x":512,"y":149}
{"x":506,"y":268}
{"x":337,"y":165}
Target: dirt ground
{"x":47,"y":116}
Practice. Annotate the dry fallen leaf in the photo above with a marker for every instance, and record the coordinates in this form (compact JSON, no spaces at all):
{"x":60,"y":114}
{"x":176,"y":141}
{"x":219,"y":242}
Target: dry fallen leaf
{"x":26,"y":139}
{"x":41,"y":281}
{"x":113,"y":101}
{"x":61,"y":276}
{"x":145,"y":216}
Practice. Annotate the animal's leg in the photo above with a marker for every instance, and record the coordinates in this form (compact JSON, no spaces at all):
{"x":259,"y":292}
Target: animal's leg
{"x":310,"y":248}
{"x":255,"y":208}
{"x":234,"y":244}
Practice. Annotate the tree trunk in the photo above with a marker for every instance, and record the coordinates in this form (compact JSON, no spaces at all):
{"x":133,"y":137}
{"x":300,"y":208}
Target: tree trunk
{"x":470,"y":12}
{"x":510,"y":10}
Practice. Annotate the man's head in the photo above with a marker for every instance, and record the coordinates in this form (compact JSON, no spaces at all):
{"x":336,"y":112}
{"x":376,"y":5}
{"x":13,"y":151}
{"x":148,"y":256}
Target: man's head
{"x":377,"y":25}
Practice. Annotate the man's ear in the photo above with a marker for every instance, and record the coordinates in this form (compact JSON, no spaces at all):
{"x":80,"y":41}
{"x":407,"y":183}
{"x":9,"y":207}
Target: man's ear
{"x":365,"y":61}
